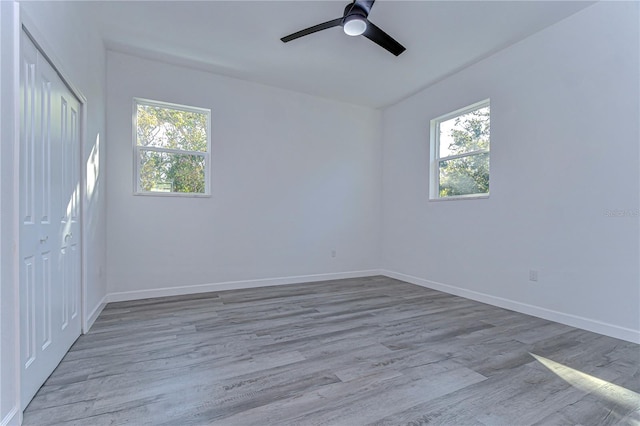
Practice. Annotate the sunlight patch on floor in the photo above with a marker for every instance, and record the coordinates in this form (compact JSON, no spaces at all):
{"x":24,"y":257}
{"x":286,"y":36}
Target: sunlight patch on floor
{"x":617,"y":394}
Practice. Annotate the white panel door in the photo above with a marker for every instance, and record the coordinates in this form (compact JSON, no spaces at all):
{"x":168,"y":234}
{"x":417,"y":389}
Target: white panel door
{"x":49,"y":222}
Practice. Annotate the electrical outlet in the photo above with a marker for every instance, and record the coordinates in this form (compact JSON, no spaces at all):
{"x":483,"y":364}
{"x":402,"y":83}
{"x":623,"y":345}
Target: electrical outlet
{"x":533,"y":275}
{"x":333,"y":253}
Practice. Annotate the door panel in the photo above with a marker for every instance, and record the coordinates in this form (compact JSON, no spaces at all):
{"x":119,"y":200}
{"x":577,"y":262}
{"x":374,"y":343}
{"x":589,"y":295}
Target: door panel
{"x":49,"y":227}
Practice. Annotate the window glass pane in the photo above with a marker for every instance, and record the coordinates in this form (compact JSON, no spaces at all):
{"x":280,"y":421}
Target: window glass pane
{"x":465,"y":133}
{"x":464,"y":176}
{"x":171,"y":128}
{"x":167,"y":172}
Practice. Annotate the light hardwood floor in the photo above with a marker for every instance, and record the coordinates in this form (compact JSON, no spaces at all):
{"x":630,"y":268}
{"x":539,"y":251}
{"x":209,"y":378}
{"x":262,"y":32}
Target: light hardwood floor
{"x":345,"y":352}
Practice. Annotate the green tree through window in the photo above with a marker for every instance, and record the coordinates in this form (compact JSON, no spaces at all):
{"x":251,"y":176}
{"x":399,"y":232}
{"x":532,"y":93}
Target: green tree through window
{"x":172,"y":147}
{"x":461,"y":152}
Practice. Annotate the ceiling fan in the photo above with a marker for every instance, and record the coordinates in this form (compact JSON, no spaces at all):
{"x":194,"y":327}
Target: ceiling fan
{"x":354,"y":22}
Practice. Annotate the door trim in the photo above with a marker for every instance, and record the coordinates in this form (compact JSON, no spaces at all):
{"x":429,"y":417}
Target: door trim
{"x":10,"y":130}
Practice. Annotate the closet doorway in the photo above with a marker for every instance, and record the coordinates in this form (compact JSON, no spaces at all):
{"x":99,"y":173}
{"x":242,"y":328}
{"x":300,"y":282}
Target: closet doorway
{"x":49,"y":218}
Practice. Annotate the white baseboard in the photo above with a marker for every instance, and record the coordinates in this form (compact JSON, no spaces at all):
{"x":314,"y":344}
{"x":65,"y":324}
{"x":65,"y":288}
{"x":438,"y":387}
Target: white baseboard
{"x":12,"y":418}
{"x":234,"y":285}
{"x":94,"y":314}
{"x":588,"y":324}
{"x":595,"y":326}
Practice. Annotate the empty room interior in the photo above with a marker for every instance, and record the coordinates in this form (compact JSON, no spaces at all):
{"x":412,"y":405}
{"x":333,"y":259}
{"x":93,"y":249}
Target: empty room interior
{"x":320,"y":212}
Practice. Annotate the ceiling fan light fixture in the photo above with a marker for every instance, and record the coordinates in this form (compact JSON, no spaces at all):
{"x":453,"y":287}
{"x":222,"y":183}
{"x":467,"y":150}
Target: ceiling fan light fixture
{"x":354,"y":21}
{"x":354,"y":25}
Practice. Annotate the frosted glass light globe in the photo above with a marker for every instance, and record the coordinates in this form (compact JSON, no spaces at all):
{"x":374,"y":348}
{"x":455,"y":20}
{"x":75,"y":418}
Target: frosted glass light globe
{"x":355,"y":26}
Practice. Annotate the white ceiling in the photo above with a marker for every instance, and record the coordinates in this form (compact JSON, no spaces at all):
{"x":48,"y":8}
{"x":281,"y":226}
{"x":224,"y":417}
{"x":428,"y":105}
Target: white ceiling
{"x":242,"y":39}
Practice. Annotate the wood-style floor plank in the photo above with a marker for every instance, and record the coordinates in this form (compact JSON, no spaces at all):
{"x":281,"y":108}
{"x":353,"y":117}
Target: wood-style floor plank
{"x":346,"y":352}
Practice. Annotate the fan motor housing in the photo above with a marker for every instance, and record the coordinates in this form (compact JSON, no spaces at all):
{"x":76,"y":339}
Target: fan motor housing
{"x":354,"y":9}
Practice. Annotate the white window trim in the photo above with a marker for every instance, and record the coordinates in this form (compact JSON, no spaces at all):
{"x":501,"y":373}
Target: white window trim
{"x":136,"y":150}
{"x":434,"y":172}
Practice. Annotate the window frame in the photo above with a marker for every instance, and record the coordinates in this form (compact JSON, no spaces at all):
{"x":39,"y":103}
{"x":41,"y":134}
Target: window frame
{"x":434,"y":187}
{"x":137,"y":149}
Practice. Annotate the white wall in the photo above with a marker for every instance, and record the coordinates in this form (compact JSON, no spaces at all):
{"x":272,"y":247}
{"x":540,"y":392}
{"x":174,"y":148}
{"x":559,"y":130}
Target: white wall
{"x":63,"y":31}
{"x":293,"y":178}
{"x":565,"y":136}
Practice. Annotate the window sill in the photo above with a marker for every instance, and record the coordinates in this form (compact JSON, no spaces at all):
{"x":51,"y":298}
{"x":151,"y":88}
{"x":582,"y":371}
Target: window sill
{"x":461,"y":197}
{"x":172,"y":194}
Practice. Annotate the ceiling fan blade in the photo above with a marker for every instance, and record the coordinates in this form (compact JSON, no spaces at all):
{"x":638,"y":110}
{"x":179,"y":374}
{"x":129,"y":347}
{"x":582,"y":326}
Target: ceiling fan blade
{"x":383,"y":39}
{"x":325,"y":25}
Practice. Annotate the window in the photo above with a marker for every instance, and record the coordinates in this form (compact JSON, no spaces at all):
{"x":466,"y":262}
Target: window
{"x":172,"y":149}
{"x":460,"y":153}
